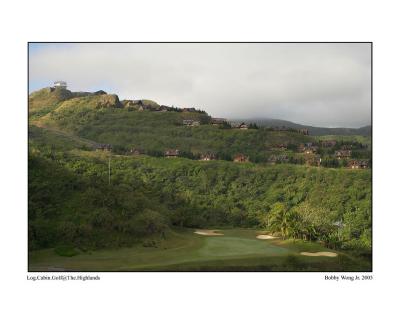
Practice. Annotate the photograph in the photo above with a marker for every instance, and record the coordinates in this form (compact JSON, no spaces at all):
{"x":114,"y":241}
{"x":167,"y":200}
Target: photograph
{"x":199,"y":156}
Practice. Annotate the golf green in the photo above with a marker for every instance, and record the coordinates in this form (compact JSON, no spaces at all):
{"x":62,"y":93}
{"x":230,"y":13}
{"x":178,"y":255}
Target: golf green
{"x":236,"y":249}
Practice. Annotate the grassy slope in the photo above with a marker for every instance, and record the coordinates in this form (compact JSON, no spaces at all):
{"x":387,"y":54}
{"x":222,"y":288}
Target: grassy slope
{"x":315,"y":131}
{"x":57,"y":140}
{"x":158,"y":131}
{"x":347,"y":138}
{"x":44,"y":101}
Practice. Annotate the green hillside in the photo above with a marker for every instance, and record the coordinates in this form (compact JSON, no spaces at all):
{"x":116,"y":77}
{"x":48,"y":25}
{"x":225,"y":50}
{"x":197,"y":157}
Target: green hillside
{"x":102,"y":118}
{"x":81,"y":199}
{"x":315,"y":131}
{"x":71,"y":190}
{"x":45,"y":100}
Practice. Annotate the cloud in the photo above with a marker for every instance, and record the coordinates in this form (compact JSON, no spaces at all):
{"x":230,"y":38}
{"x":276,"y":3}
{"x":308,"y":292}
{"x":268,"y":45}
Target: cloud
{"x":316,"y":84}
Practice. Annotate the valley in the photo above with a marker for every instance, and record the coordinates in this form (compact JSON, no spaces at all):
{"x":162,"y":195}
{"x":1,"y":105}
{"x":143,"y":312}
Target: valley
{"x":122,"y":186}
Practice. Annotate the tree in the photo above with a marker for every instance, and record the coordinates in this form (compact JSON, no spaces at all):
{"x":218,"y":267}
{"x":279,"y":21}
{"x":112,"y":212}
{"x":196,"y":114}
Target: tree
{"x":282,"y":220}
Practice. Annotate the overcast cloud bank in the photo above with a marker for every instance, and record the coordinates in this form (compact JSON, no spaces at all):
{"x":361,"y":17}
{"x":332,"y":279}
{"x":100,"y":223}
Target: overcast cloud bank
{"x":315,"y":84}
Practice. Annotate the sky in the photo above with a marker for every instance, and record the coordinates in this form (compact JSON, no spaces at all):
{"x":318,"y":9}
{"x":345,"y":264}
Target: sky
{"x":321,"y":84}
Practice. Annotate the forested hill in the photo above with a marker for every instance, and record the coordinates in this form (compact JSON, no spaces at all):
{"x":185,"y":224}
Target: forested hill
{"x":316,"y":131}
{"x":75,"y":200}
{"x":149,"y":127}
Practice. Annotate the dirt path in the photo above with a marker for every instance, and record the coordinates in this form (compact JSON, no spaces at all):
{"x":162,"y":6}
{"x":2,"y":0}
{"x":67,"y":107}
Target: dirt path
{"x":65,"y":134}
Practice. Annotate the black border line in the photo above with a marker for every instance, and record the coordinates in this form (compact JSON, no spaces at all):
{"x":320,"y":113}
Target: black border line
{"x":201,"y":42}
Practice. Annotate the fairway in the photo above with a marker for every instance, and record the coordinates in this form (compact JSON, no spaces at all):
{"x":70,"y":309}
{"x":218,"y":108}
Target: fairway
{"x":233,"y":246}
{"x":183,"y":250}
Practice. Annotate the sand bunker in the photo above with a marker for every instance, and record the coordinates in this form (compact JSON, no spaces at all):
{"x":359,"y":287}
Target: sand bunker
{"x":209,"y":232}
{"x":329,"y":254}
{"x":265,"y":237}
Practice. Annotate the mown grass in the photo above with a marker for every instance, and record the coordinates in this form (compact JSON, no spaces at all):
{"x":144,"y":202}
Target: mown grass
{"x":237,"y":250}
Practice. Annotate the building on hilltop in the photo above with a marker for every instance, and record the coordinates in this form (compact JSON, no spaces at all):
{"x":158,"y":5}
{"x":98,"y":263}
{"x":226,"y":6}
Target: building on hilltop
{"x":100,"y":92}
{"x":60,"y":84}
{"x":163,"y":108}
{"x":189,"y":110}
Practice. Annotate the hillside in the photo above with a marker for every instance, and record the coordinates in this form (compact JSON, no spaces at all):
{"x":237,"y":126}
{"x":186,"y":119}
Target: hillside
{"x":86,"y":199}
{"x":315,"y":131}
{"x":43,"y":101}
{"x":72,"y":203}
{"x":104,"y":119}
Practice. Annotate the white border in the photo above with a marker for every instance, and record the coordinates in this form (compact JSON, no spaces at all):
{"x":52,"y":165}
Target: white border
{"x":198,"y":21}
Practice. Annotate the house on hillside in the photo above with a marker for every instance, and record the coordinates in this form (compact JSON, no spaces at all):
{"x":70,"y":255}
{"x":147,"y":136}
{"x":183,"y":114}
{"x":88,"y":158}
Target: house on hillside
{"x":313,"y":160}
{"x":343,"y":154}
{"x":240,"y":158}
{"x":303,"y":131}
{"x":135,"y":151}
{"x":243,"y":126}
{"x":191,"y":122}
{"x":358,"y":164}
{"x":141,"y":105}
{"x":273,"y":159}
{"x":187,"y":122}
{"x":280,"y":146}
{"x":163,"y":108}
{"x":218,"y":121}
{"x":328,"y":143}
{"x":208,"y":157}
{"x":171,"y":153}
{"x":104,"y":147}
{"x":60,"y":84}
{"x":308,"y":148}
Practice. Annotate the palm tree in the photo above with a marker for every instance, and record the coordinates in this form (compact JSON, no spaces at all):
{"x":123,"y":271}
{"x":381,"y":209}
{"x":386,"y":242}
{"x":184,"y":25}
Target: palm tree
{"x":282,"y":220}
